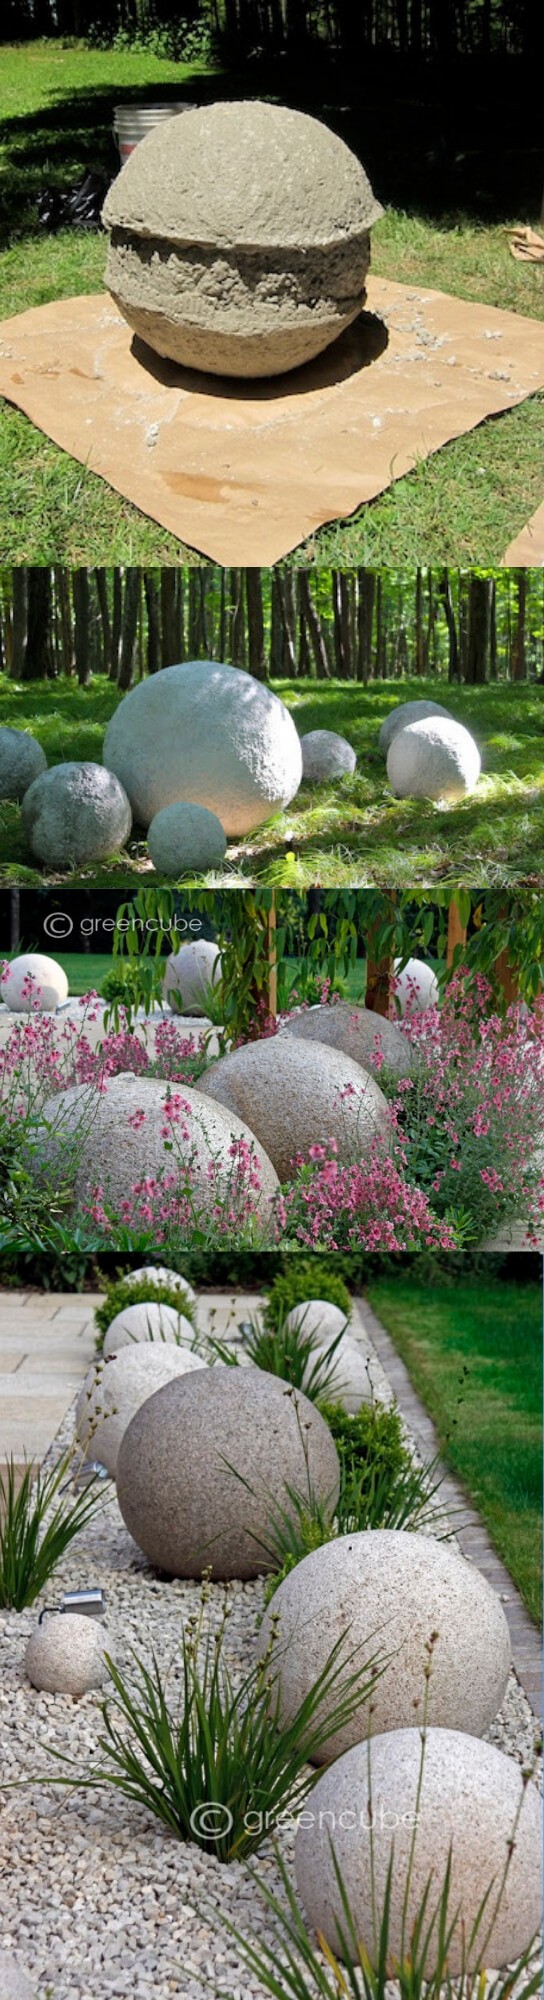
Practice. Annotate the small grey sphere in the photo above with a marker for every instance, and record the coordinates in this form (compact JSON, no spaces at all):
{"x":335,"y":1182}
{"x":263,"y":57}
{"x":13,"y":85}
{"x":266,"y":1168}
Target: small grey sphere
{"x":368,"y":1038}
{"x":404,"y":713}
{"x":15,"y":1983}
{"x":115,"y":1389}
{"x":295,"y":1095}
{"x":206,"y":732}
{"x":186,"y":840}
{"x":188,"y":973}
{"x":21,"y":760}
{"x":75,"y":813}
{"x":155,"y":1322}
{"x":433,"y":759}
{"x":325,"y":755}
{"x":207,"y":1463}
{"x":65,"y":1654}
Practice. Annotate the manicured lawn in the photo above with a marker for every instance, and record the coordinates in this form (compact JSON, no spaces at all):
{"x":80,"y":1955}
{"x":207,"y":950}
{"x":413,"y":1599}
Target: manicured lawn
{"x":463,"y":505}
{"x":489,"y":1418}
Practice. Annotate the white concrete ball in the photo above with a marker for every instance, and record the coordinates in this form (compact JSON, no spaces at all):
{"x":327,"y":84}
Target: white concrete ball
{"x":434,"y":759}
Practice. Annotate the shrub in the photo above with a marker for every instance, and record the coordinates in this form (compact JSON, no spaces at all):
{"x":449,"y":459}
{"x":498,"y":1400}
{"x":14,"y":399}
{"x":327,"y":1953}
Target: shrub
{"x":381,"y":1486}
{"x":38,"y":1522}
{"x":122,"y":1293}
{"x":364,"y":1205}
{"x":305,"y":1278}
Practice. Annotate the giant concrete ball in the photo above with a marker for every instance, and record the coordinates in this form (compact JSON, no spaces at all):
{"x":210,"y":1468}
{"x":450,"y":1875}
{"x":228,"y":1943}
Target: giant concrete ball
{"x":208,"y":733}
{"x":75,"y":813}
{"x":435,"y":759}
{"x":239,"y":238}
{"x":49,"y":984}
{"x":326,"y":755}
{"x":115,"y":1389}
{"x":65,"y":1654}
{"x":159,"y":1274}
{"x":188,"y":974}
{"x":147,"y":1322}
{"x":394,"y":1589}
{"x":206,"y":1465}
{"x":416,"y":986}
{"x":368,"y":1038}
{"x":404,"y":713}
{"x":471,"y":1795}
{"x":186,"y":840}
{"x":293,"y":1095}
{"x":21,"y":760}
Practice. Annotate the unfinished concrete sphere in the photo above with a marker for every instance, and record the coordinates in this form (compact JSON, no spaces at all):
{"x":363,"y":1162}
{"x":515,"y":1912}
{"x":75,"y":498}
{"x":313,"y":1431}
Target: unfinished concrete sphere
{"x":471,"y":1794}
{"x":147,"y":1322}
{"x":75,"y":813}
{"x":186,"y":840}
{"x":188,"y":974}
{"x":435,"y":759}
{"x":368,"y":1038}
{"x":239,"y":238}
{"x":21,"y":760}
{"x":291,"y":1095}
{"x":206,"y":1464}
{"x":209,"y":733}
{"x":65,"y":1654}
{"x":325,"y":755}
{"x":406,"y":712}
{"x":393,"y":1589}
{"x":15,"y":1983}
{"x":49,"y":984}
{"x":115,"y":1389}
{"x":416,"y":986}
{"x":158,"y":1274}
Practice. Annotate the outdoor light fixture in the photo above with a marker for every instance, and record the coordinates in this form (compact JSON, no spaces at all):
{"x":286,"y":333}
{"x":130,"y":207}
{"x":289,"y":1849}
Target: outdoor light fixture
{"x":90,"y":1469}
{"x":87,"y":1604}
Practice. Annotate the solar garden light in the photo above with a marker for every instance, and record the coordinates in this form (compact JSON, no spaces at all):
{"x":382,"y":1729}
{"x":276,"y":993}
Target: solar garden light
{"x":86,"y":1603}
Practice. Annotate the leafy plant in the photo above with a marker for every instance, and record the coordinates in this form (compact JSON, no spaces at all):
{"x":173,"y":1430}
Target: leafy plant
{"x":381,"y":1486}
{"x":304,"y":1278}
{"x":291,"y":1353}
{"x":146,"y":1292}
{"x":38,"y":1522}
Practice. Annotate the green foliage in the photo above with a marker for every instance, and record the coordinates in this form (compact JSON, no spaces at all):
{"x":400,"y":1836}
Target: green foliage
{"x":381,"y":1486}
{"x":121,"y":984}
{"x":291,"y":1353}
{"x":38,"y":1523}
{"x":301,"y":1279}
{"x":122,"y":1293}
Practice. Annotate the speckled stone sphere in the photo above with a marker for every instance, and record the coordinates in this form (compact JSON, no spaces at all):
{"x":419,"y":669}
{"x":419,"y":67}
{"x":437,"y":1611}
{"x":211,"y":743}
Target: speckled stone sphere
{"x":403,"y":714}
{"x":188,"y":974}
{"x":470,"y":1797}
{"x":318,"y":1320}
{"x":49,"y":987}
{"x":155,"y":1322}
{"x":290,"y":1094}
{"x":65,"y":1654}
{"x":326,"y":755}
{"x":75,"y":813}
{"x":368,"y":1038}
{"x":239,"y":238}
{"x":207,"y":1462}
{"x":115,"y":1389}
{"x":416,"y":986}
{"x":186,"y":840}
{"x":21,"y":760}
{"x":209,"y":733}
{"x":159,"y":1274}
{"x":15,"y":1983}
{"x":393,"y":1589}
{"x":434,"y":759}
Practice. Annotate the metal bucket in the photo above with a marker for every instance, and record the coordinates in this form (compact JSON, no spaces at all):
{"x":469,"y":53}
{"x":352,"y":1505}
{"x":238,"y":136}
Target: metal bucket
{"x":132,"y":121}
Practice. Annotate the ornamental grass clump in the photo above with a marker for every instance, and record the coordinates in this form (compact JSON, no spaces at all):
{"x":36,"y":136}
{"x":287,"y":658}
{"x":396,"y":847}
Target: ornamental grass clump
{"x":39,"y":1519}
{"x":291,"y":1353}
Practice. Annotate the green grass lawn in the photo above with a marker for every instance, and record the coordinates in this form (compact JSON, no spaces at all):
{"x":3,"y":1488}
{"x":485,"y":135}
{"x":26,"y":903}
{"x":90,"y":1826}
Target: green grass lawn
{"x":463,"y":505}
{"x":352,"y":832}
{"x":489,"y":1420}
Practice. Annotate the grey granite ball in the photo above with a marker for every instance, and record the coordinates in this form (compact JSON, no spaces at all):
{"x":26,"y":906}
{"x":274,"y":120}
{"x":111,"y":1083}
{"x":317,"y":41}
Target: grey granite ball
{"x":404,"y":713}
{"x":290,"y":1093}
{"x":393,"y":1589}
{"x":65,"y":1654}
{"x":357,"y":1032}
{"x":159,"y":1274}
{"x":239,"y":238}
{"x":434,"y":759}
{"x":348,"y":1380}
{"x":115,"y":1389}
{"x":471,"y":1794}
{"x":318,"y":1320}
{"x":325,"y":755}
{"x":15,"y":1983}
{"x":49,"y":984}
{"x":187,"y":975}
{"x":207,"y":1462}
{"x":155,"y":1322}
{"x":75,"y":813}
{"x":21,"y":760}
{"x":209,"y":733}
{"x":186,"y":840}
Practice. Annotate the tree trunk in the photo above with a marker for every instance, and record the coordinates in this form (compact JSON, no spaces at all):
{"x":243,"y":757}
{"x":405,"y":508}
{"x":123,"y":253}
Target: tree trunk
{"x":20,"y":616}
{"x":479,"y":630}
{"x":255,"y":624}
{"x":105,"y":620}
{"x":82,"y":637}
{"x":129,"y":630}
{"x":365,"y":617}
{"x":38,"y":663}
{"x":168,"y":618}
{"x":153,"y":622}
{"x":116,"y":623}
{"x":519,"y":663}
{"x":314,"y":626}
{"x":454,"y":667}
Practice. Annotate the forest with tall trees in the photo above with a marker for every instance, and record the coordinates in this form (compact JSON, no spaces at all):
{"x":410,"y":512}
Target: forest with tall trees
{"x":439,"y":29}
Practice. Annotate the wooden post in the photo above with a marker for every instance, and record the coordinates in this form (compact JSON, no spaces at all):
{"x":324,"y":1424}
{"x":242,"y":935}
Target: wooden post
{"x":507,"y":978}
{"x":379,"y":973}
{"x":457,"y":932}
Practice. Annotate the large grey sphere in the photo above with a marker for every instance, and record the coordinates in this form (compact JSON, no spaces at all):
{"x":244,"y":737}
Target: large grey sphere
{"x":186,"y":840}
{"x":65,"y":1654}
{"x":471,"y":1794}
{"x":356,"y":1032}
{"x":403,"y":714}
{"x":434,"y":759}
{"x":290,"y":1093}
{"x":15,"y":1983}
{"x":207,"y":1463}
{"x":159,"y":1274}
{"x":48,"y":989}
{"x":393,"y":1589}
{"x":75,"y":813}
{"x":239,"y":238}
{"x":209,"y":733}
{"x":154,"y":1321}
{"x":188,"y":973}
{"x":115,"y":1389}
{"x":21,"y":760}
{"x":326,"y":755}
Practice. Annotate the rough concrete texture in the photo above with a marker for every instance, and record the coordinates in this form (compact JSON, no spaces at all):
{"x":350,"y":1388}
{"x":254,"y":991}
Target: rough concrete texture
{"x":209,"y":733}
{"x":75,"y":813}
{"x":325,"y":755}
{"x":433,"y":759}
{"x":116,"y":1388}
{"x":406,"y":712}
{"x":392,"y":1589}
{"x":349,"y":1380}
{"x":239,"y":238}
{"x":356,"y":1032}
{"x":49,"y":989}
{"x":188,"y":974}
{"x":89,"y":1136}
{"x":290,"y":1093}
{"x":186,"y":840}
{"x":159,"y":1274}
{"x":318,"y":1321}
{"x":416,"y":986}
{"x":147,"y":1322}
{"x":470,"y":1797}
{"x":65,"y":1654}
{"x":206,"y":1464}
{"x":21,"y":760}
{"x":14,"y":1981}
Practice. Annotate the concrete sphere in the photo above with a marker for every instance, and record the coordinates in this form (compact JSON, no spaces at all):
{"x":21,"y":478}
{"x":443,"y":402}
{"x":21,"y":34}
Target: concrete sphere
{"x":186,"y":840}
{"x":50,"y":985}
{"x":116,"y":1388}
{"x":433,"y":760}
{"x":21,"y":760}
{"x":177,"y":1475}
{"x":416,"y":986}
{"x":348,"y":1379}
{"x":158,"y":1274}
{"x":357,"y":1032}
{"x":188,"y":974}
{"x":393,"y":1589}
{"x":75,"y":813}
{"x":318,"y":1320}
{"x":15,"y":1983}
{"x":65,"y":1654}
{"x":470,"y":1796}
{"x":239,"y":238}
{"x":325,"y":755}
{"x":208,"y":733}
{"x":289,"y":1093}
{"x":147,"y":1322}
{"x":406,"y":712}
